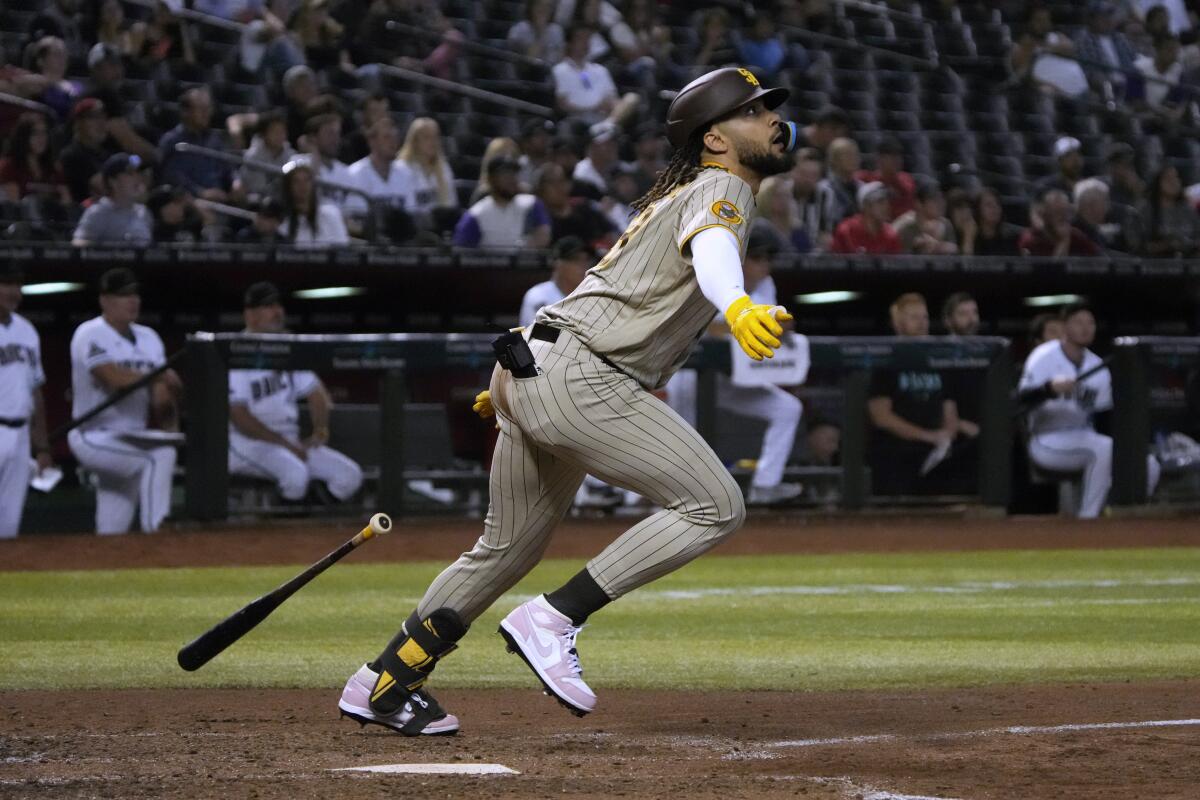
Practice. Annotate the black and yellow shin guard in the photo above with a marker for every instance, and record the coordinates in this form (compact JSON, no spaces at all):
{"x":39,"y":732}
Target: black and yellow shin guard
{"x":408,"y":659}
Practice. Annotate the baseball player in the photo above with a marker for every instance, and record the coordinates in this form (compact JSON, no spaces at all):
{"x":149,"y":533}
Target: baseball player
{"x":264,"y":429}
{"x":1062,"y":436}
{"x":573,"y":395}
{"x":108,"y":353}
{"x":22,"y":414}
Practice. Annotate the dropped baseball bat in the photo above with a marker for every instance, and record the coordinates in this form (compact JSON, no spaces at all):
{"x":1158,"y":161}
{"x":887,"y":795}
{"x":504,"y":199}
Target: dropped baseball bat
{"x":1023,"y":407}
{"x":239,"y":623}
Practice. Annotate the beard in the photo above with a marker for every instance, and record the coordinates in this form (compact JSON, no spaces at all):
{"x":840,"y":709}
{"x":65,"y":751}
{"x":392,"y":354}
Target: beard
{"x":762,"y":160}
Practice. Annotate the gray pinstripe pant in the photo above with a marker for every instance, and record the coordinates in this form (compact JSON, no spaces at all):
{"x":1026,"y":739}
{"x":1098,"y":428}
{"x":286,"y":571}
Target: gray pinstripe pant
{"x":582,"y":416}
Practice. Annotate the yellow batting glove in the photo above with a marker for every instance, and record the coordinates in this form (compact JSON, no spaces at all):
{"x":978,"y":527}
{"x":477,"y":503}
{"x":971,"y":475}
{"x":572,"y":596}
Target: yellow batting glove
{"x":483,"y":405}
{"x":756,"y":327}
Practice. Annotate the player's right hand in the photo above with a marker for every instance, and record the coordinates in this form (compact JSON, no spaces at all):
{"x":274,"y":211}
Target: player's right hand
{"x":483,"y":405}
{"x":756,"y":327}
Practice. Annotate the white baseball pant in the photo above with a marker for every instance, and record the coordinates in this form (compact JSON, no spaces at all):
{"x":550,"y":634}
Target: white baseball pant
{"x":1090,"y":453}
{"x":14,"y":478}
{"x":258,"y":459}
{"x":778,"y":408}
{"x":130,"y":477}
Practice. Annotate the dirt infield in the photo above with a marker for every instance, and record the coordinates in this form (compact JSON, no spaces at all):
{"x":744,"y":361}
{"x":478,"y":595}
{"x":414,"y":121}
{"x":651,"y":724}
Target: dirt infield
{"x":942,"y":744}
{"x":1080,"y":741}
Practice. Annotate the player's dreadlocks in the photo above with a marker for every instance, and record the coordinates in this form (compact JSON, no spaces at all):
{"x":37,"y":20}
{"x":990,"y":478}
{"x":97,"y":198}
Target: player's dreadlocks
{"x":682,"y":168}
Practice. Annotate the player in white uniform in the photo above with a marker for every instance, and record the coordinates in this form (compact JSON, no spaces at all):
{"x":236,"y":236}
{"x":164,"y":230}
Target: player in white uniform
{"x":777,"y":407}
{"x":264,"y":417}
{"x":109,"y":353}
{"x":1061,"y":433}
{"x":22,"y":414}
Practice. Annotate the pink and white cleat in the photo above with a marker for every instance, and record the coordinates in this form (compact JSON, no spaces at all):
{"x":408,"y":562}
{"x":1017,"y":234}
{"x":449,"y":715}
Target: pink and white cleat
{"x":545,"y":639}
{"x":419,"y":716}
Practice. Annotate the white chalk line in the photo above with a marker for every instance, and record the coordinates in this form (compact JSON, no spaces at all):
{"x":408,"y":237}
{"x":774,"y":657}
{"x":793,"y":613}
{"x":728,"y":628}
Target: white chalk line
{"x":1013,"y":730}
{"x":433,"y":769}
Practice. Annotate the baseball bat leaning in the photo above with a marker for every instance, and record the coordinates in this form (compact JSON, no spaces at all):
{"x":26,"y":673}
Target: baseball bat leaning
{"x":213,"y":641}
{"x":1024,"y":408}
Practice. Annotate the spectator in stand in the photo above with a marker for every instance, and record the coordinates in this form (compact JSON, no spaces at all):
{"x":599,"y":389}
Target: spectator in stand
{"x":113,"y":29}
{"x":1126,"y":189}
{"x":264,"y":229}
{"x":117,"y":218}
{"x":538,"y":35}
{"x":570,"y":259}
{"x":498,"y":148}
{"x":299,"y":92}
{"x":176,"y":218}
{"x":623,"y":192}
{"x":648,"y":147}
{"x":717,"y":48}
{"x":1092,"y":216}
{"x":308,"y":220}
{"x":573,"y":217}
{"x":84,"y":157}
{"x":266,"y":48}
{"x":925,"y":230}
{"x":534,"y":143}
{"x":61,"y":19}
{"x":761,"y":48}
{"x":433,"y":180}
{"x":868,"y":231}
{"x":506,"y":217}
{"x":49,"y":60}
{"x":386,"y":180}
{"x":1170,"y":225}
{"x":1051,"y":233}
{"x":658,"y":59}
{"x":960,"y":210}
{"x":1046,"y":56}
{"x":889,"y":160}
{"x":838,"y":191}
{"x":201,"y":175}
{"x":609,"y":30}
{"x":372,"y":107}
{"x":995,"y":236}
{"x":776,"y":220}
{"x":911,"y":411}
{"x":321,"y":36}
{"x":831,"y":124}
{"x":806,"y":176}
{"x":269,"y":146}
{"x":601,"y":161}
{"x":1162,"y":73}
{"x":1105,"y":53}
{"x":321,"y":141}
{"x":168,"y":38}
{"x":1067,"y":151}
{"x":107,"y":75}
{"x":584,"y":89}
{"x":29,"y":167}
{"x":1174,"y":15}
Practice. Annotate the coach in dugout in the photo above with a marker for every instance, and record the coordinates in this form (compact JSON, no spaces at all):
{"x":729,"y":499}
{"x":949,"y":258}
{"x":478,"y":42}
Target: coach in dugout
{"x":264,"y":417}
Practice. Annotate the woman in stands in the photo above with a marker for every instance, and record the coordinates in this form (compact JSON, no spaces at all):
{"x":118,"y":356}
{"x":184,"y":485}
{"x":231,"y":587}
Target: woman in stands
{"x":422,"y":152}
{"x":308,"y":222}
{"x":993,"y":236}
{"x":30,"y":167}
{"x":500,"y":147}
{"x":1171,"y":226}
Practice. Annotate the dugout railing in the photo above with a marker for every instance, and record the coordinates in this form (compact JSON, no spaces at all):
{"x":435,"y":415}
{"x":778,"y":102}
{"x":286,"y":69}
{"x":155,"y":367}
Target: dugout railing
{"x":403,"y":357}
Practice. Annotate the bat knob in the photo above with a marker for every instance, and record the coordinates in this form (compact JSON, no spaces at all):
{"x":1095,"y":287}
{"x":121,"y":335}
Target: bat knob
{"x":381,"y":523}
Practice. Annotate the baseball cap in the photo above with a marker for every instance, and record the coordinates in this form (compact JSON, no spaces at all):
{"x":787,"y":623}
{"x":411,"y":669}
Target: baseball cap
{"x":100,"y":53}
{"x":263,"y":293}
{"x":119,"y":280}
{"x":568,"y":247}
{"x":872,"y":191}
{"x":1066,"y":144}
{"x":503,"y":162}
{"x":88,"y":106}
{"x":120,"y":162}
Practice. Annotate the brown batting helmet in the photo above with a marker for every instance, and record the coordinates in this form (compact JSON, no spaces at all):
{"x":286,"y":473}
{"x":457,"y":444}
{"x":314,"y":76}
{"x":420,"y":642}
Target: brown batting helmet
{"x":712,"y":96}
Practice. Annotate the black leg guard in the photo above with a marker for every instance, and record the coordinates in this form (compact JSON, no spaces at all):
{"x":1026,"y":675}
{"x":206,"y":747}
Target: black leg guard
{"x":408,"y":659}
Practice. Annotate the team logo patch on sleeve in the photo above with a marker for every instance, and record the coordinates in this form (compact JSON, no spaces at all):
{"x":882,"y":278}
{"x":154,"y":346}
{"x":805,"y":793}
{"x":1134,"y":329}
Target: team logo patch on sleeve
{"x":727,"y":212}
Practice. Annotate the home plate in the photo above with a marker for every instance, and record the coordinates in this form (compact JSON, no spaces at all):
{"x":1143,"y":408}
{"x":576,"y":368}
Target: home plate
{"x":434,"y":769}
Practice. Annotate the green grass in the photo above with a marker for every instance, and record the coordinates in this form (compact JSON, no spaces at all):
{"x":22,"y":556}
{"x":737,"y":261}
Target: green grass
{"x":773,"y":622}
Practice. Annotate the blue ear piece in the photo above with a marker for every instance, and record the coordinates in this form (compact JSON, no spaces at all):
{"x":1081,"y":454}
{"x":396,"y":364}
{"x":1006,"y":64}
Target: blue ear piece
{"x":789,"y":134}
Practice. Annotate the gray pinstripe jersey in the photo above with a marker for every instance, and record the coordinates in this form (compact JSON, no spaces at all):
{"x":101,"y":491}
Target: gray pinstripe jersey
{"x":641,"y":307}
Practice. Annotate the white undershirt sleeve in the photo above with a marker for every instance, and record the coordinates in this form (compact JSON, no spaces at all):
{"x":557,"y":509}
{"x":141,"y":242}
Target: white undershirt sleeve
{"x":717,"y":260}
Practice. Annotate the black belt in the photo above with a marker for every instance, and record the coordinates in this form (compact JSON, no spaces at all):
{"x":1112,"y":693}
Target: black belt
{"x":13,"y":423}
{"x":548,"y":333}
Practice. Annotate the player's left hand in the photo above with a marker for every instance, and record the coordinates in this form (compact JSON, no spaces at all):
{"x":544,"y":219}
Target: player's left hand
{"x":483,"y":405}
